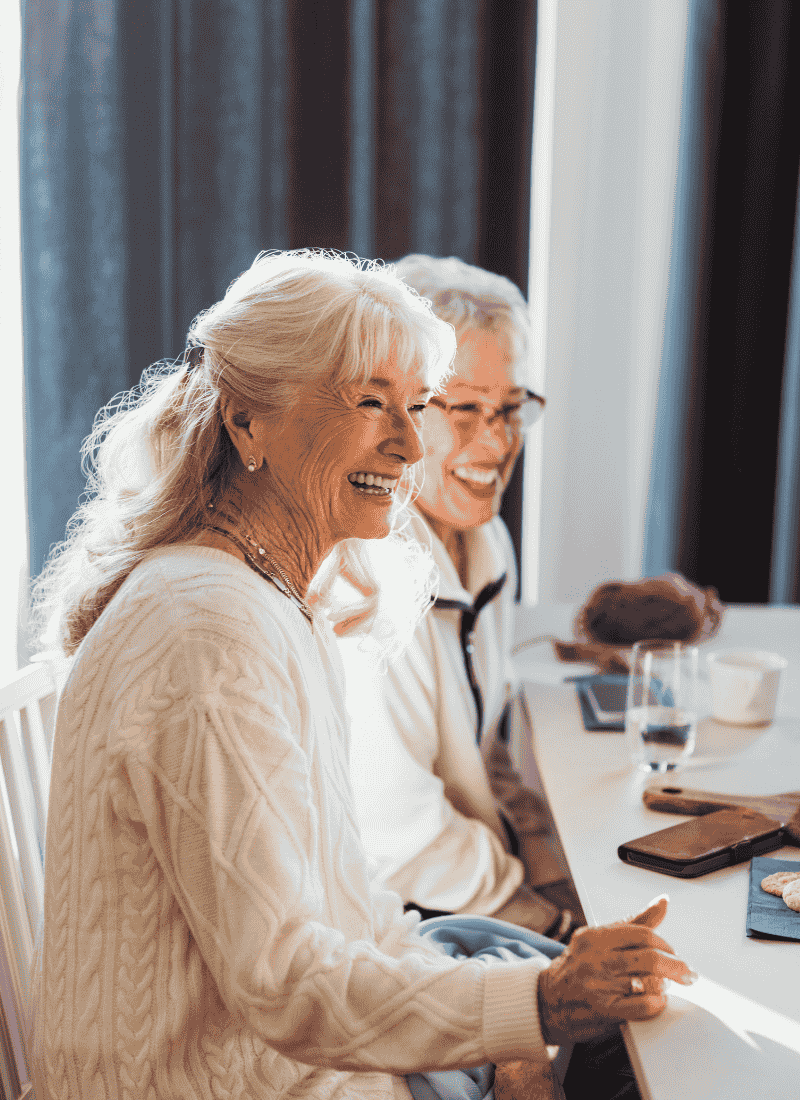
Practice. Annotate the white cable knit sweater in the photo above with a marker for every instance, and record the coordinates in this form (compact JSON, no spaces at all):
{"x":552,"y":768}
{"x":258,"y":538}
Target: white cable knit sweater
{"x":210,"y":928}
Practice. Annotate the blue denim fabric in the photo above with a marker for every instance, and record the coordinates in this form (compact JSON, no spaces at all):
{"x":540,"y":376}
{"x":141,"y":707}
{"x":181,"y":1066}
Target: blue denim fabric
{"x":465,"y":937}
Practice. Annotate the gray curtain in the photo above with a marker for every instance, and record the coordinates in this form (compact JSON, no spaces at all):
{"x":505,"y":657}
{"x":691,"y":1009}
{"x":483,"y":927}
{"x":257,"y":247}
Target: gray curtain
{"x":785,"y":565}
{"x":166,"y":142}
{"x":685,"y":301}
{"x":725,"y":483}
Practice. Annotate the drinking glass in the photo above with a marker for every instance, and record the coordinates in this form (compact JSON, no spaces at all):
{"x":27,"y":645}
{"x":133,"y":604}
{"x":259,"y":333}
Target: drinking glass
{"x":662,"y":704}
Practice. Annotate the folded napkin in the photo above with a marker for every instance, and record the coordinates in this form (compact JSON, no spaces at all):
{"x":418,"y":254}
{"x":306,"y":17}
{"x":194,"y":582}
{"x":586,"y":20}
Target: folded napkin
{"x":768,"y":916}
{"x":589,"y":720}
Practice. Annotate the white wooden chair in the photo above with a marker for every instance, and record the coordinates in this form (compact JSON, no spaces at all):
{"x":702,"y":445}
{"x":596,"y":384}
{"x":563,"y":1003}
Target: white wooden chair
{"x":27,"y":717}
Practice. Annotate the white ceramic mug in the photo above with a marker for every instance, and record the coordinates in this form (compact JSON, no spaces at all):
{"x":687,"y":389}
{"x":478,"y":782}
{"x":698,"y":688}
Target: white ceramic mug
{"x":744,"y":685}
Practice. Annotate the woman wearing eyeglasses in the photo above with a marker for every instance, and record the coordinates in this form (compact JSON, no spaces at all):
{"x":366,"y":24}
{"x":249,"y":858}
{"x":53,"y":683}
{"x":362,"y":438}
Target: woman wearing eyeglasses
{"x":441,"y":810}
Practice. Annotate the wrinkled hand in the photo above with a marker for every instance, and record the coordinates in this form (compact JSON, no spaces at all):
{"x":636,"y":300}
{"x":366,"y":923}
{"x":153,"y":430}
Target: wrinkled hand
{"x":586,"y":991}
{"x":525,"y":1081}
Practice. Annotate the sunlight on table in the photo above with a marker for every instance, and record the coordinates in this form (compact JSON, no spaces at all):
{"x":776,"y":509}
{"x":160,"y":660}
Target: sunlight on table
{"x":736,"y":1040}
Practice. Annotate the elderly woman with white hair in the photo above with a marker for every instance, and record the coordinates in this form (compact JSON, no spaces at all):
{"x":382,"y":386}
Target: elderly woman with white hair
{"x":446,"y":817}
{"x":211,"y":928}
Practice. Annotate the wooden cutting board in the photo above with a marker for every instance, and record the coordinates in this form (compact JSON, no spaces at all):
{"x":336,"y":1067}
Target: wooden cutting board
{"x":672,"y":799}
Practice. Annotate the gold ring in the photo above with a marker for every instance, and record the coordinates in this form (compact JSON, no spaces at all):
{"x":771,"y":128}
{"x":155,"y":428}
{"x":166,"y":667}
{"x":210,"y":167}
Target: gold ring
{"x":637,"y":985}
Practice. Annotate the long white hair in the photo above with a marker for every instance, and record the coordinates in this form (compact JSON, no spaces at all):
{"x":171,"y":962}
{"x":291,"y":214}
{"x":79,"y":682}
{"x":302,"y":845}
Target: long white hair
{"x":158,"y":454}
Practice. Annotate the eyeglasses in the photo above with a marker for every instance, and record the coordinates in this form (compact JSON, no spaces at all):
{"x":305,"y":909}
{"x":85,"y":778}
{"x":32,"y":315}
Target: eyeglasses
{"x":516,"y":415}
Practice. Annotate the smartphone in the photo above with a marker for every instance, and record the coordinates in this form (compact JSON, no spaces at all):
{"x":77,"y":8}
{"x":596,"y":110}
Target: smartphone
{"x":705,"y":843}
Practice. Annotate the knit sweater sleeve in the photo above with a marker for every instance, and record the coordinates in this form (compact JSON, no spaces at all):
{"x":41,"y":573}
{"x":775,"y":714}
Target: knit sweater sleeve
{"x":230,"y":800}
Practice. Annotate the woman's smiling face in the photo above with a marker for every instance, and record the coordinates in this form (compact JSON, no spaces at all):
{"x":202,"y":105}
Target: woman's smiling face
{"x":338,"y":455}
{"x":467,"y":468}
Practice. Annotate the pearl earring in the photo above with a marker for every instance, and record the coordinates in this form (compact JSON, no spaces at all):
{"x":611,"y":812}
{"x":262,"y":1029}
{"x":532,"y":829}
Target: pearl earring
{"x":251,"y":464}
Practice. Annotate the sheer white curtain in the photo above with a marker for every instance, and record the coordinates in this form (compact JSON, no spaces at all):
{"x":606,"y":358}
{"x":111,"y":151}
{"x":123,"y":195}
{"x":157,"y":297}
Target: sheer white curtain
{"x":13,"y":516}
{"x":605,"y":144}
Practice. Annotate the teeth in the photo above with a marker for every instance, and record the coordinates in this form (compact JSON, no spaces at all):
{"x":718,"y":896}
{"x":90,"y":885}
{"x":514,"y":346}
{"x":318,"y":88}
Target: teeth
{"x":482,"y":477}
{"x":373,"y":480}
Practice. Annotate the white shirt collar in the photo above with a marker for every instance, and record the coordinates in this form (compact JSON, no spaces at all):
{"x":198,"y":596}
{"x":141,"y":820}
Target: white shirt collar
{"x":485,"y":558}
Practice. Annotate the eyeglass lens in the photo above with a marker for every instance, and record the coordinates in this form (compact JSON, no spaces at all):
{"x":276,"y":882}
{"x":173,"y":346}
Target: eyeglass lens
{"x":518,"y":415}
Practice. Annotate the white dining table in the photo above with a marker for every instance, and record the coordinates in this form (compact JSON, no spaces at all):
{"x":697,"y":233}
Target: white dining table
{"x":736,"y":1032}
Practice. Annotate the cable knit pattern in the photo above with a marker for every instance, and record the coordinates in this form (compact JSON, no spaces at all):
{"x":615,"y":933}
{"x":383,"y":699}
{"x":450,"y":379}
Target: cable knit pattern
{"x":211,"y":931}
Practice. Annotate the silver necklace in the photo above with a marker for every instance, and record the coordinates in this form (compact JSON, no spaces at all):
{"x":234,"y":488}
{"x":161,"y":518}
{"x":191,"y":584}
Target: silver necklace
{"x":278,"y":578}
{"x":292,"y":587}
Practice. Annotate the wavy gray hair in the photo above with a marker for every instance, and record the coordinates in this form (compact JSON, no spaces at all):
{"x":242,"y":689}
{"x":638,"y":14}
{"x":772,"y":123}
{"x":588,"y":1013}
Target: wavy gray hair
{"x":470,"y":298}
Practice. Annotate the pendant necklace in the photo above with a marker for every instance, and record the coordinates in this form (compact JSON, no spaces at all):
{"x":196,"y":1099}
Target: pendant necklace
{"x":278,"y":578}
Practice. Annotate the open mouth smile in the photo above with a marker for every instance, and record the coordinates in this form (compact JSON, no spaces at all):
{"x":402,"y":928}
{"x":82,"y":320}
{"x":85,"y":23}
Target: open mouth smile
{"x":480,"y":483}
{"x":475,"y":476}
{"x":373,"y":484}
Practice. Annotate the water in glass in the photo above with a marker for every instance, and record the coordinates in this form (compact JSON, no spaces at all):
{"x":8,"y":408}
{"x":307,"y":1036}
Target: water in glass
{"x":662,"y":704}
{"x":661,"y":737}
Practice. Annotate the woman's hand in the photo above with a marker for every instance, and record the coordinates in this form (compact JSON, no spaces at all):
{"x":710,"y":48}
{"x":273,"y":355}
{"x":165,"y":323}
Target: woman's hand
{"x":587,"y":990}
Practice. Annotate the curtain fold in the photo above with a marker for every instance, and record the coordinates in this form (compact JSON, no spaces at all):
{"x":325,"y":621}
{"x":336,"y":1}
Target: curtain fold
{"x":684,"y":328}
{"x":165,"y":143}
{"x":720,"y":507}
{"x":785,"y":566}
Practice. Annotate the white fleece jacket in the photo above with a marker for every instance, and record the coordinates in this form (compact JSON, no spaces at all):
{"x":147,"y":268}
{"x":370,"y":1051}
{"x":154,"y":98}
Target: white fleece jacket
{"x":423,"y":796}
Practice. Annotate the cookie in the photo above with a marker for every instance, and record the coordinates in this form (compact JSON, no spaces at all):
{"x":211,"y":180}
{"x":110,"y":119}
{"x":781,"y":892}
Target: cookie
{"x":791,"y":894}
{"x":774,"y":884}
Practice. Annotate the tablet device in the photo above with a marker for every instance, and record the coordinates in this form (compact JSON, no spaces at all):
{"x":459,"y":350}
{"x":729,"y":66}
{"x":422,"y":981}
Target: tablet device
{"x":607,"y":700}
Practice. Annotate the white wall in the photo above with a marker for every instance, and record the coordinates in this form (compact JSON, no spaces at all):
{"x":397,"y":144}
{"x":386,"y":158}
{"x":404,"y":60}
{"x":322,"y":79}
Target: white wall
{"x":13,"y":521}
{"x":606,"y":122}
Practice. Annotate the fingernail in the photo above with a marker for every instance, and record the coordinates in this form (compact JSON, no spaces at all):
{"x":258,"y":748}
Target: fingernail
{"x":690,"y":978}
{"x":655,"y":901}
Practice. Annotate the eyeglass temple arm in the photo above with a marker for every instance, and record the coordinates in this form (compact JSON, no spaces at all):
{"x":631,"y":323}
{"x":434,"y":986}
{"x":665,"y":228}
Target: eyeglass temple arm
{"x":536,"y":397}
